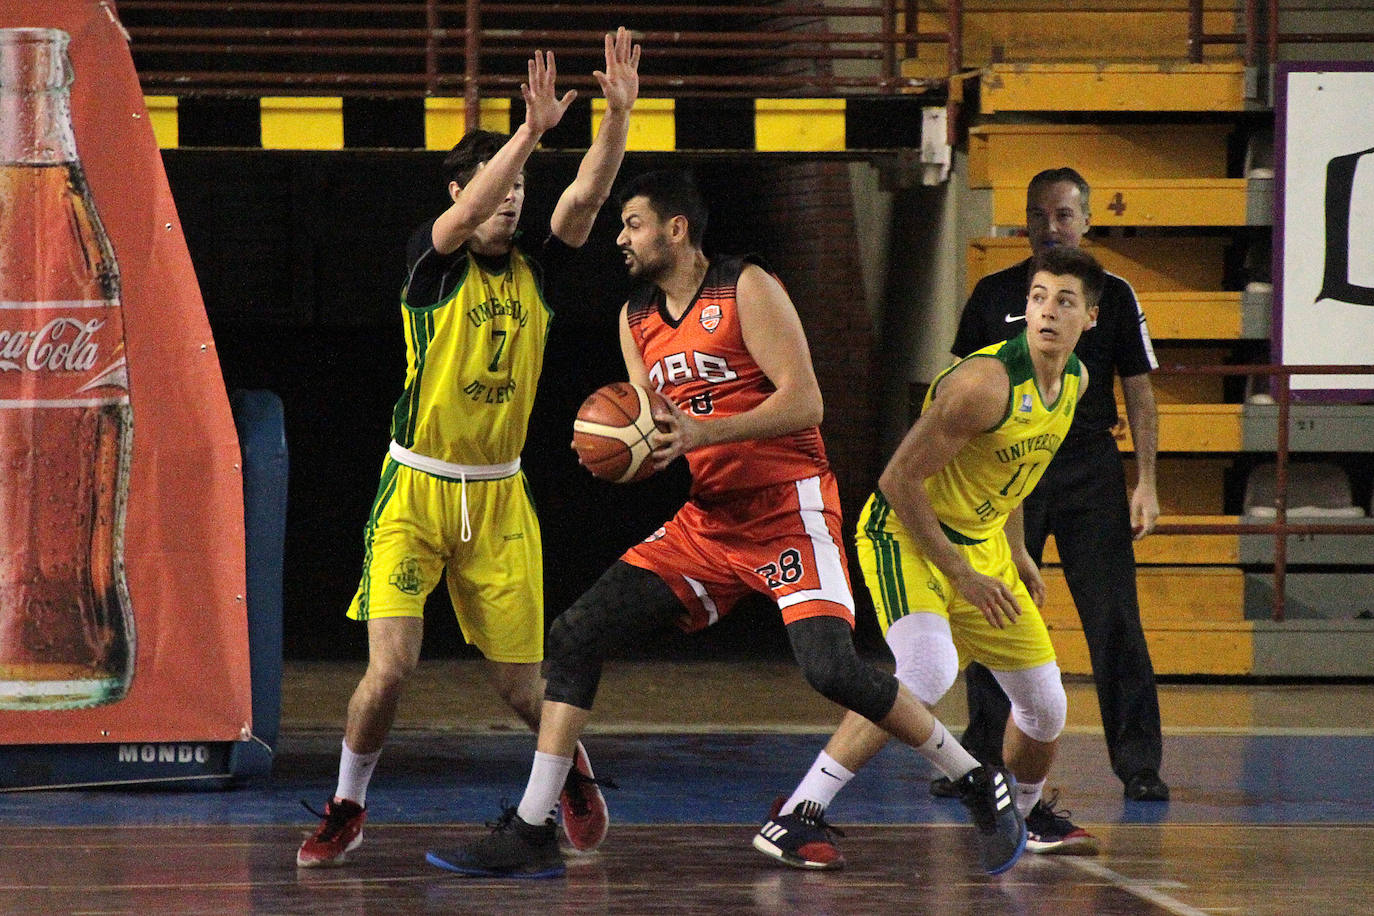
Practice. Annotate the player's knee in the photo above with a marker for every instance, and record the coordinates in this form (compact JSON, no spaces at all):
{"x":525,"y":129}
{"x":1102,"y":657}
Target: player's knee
{"x":826,"y":676}
{"x":561,"y":645}
{"x":926,"y":661}
{"x":1039,"y":706}
{"x":928,"y":682}
{"x":825,"y":652}
{"x":571,"y":672}
{"x":522,"y":694}
{"x":388,"y":671}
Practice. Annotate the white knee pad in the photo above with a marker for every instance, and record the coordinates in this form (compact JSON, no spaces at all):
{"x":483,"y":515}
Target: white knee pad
{"x":927,"y":662}
{"x":1039,"y":706}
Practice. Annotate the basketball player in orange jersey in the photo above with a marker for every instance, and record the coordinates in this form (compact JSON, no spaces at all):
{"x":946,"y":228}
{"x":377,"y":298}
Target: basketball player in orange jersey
{"x":722,"y":341}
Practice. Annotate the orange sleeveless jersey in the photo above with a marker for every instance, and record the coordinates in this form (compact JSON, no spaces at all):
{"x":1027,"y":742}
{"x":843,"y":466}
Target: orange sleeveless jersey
{"x":701,"y":363}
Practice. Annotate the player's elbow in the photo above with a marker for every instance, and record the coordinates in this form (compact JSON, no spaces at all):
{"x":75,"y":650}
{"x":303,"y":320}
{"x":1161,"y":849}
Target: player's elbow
{"x":888,"y":479}
{"x":810,"y":407}
{"x":583,"y":199}
{"x":895,"y":476}
{"x":815,"y":410}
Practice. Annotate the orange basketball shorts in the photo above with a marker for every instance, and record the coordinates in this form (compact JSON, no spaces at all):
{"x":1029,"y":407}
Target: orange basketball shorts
{"x":782,"y":540}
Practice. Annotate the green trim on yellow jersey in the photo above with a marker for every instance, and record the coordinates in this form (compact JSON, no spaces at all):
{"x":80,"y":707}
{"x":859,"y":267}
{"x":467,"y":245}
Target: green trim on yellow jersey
{"x":419,"y":331}
{"x":887,"y":553}
{"x":386,"y":488}
{"x":473,"y":363}
{"x":992,"y":473}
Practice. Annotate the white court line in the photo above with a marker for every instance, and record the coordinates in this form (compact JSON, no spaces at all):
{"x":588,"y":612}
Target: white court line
{"x":1145,"y":890}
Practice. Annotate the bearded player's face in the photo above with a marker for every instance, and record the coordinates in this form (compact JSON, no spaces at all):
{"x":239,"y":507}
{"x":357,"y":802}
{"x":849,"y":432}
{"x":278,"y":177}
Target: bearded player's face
{"x":643,"y":240}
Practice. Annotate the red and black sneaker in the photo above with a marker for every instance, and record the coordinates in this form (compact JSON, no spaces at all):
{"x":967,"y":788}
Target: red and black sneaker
{"x":1050,"y":832}
{"x":800,"y":839}
{"x":582,"y":807}
{"x":340,"y":832}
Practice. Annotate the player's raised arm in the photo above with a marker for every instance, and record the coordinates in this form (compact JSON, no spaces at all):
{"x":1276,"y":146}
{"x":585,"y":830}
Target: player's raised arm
{"x":494,"y":180}
{"x":577,"y":207}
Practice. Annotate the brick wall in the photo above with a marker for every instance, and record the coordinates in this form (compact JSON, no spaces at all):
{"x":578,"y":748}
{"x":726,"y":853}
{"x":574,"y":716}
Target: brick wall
{"x":807,"y":209}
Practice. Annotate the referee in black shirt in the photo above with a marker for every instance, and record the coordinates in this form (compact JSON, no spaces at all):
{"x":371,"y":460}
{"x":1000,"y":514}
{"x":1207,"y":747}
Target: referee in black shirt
{"x":1083,"y":499}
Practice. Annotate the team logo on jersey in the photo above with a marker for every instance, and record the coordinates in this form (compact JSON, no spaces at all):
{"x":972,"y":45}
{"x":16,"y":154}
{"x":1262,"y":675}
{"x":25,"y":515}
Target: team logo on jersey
{"x":406,"y":576}
{"x":1026,"y":403}
{"x":710,"y":318}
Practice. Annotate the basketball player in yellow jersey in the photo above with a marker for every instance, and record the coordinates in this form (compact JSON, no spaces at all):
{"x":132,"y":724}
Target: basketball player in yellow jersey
{"x":943,"y":554}
{"x":452,"y":498}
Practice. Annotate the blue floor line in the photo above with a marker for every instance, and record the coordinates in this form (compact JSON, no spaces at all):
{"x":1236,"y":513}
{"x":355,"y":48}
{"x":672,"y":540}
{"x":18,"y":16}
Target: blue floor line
{"x":732,"y":779}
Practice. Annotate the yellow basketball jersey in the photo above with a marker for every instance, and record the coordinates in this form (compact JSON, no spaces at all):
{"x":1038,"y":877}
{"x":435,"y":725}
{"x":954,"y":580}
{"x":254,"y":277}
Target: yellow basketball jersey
{"x":994,"y":471}
{"x":473,"y":361}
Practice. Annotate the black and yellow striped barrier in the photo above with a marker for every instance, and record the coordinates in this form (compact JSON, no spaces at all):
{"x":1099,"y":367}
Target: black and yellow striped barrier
{"x":791,"y":125}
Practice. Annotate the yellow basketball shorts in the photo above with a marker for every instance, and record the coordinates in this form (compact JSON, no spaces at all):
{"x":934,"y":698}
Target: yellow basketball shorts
{"x":495,"y":579}
{"x":902,"y":580}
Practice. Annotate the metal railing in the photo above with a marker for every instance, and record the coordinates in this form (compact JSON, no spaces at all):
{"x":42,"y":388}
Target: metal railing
{"x":476,"y":47}
{"x":1254,"y":14}
{"x":1280,"y":528}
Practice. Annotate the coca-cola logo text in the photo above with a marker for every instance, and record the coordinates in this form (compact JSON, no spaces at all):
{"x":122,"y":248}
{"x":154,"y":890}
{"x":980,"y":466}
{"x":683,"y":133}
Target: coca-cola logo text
{"x":51,"y":348}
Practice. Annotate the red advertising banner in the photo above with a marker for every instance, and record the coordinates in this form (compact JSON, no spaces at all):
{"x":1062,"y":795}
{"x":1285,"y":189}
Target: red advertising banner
{"x":122,"y":597}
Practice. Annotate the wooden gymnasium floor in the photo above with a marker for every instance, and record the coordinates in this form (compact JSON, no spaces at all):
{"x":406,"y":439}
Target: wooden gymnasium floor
{"x":1273,"y":812}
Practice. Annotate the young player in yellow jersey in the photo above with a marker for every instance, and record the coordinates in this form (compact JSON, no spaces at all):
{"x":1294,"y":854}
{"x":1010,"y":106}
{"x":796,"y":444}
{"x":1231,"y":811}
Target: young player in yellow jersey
{"x":452,"y":498}
{"x":942,"y":550}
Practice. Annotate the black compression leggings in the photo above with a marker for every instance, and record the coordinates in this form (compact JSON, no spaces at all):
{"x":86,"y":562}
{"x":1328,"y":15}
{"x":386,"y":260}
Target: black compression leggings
{"x":824,"y":648}
{"x":628,"y":604}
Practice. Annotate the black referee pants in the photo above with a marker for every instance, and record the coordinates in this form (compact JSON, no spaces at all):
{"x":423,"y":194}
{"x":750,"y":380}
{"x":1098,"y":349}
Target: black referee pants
{"x":1082,"y":501}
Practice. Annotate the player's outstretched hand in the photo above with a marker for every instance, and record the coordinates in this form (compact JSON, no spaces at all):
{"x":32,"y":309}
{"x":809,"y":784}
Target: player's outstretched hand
{"x":543,"y":108}
{"x":620,"y":80}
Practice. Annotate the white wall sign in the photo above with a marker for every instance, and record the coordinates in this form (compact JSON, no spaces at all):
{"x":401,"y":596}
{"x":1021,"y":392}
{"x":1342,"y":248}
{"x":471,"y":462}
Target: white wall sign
{"x":1324,"y":235}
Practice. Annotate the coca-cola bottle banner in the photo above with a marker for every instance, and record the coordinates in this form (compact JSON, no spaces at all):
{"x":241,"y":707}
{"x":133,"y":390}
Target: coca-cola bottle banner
{"x":122,"y":598}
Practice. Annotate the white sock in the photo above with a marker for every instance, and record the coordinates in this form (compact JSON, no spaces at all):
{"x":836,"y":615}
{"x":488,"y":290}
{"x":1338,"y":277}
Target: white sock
{"x":946,"y":753}
{"x":822,"y":783}
{"x":547,"y":776}
{"x":355,"y":771}
{"x":1027,"y":794}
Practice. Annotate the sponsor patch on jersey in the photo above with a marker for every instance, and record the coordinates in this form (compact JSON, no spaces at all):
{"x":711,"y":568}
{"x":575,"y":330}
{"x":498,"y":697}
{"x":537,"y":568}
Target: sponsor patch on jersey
{"x":1026,"y":403}
{"x":710,"y":318}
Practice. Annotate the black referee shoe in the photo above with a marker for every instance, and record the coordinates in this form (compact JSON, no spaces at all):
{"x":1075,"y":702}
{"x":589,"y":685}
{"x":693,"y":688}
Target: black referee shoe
{"x":1147,"y":786}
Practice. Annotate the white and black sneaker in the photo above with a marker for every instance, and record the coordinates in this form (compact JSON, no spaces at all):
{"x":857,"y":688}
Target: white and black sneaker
{"x":989,"y":793}
{"x":800,"y":839}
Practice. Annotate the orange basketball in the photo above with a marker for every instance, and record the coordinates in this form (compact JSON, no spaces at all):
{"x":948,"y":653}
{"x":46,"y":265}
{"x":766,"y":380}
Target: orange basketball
{"x":611,"y":432}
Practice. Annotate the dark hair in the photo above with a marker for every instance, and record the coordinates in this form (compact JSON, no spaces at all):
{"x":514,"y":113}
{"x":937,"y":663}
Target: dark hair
{"x":670,"y":193}
{"x":476,"y":147}
{"x":1055,"y":176}
{"x":1061,"y":261}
